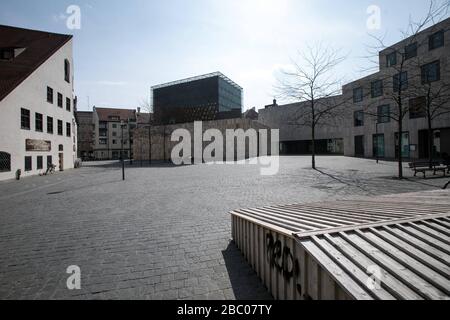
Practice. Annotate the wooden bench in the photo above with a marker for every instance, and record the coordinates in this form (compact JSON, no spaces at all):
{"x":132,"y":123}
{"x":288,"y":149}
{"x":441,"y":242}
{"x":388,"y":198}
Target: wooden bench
{"x":424,"y":167}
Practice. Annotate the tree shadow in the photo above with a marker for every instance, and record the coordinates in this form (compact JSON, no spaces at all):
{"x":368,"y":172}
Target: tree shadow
{"x":244,"y":281}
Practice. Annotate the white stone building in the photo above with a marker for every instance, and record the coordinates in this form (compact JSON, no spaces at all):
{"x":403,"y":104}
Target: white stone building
{"x":37,"y":102}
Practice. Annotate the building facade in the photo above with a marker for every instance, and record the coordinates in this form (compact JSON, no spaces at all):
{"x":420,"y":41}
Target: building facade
{"x":37,"y":122}
{"x":412,"y":84}
{"x":203,"y":98}
{"x":86,"y":135}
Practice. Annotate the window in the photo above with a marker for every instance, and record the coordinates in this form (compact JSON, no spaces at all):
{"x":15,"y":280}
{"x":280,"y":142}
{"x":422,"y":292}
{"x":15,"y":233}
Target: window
{"x":49,"y":95}
{"x":358,"y":95}
{"x":400,"y":81}
{"x":436,"y":40}
{"x":28,"y":164}
{"x":114,"y":134}
{"x":67,"y":70}
{"x":68,"y":130}
{"x":417,"y":108}
{"x":49,"y":161}
{"x":6,"y":54}
{"x":60,"y":127}
{"x":5,"y":162}
{"x":103,"y":141}
{"x":114,"y":126}
{"x":378,"y":146}
{"x":38,"y":122}
{"x":114,"y":141}
{"x":25,"y":119}
{"x":68,"y":104}
{"x":384,"y":113}
{"x":114,"y":118}
{"x":50,"y":125}
{"x":405,"y":146}
{"x":40,"y":163}
{"x":60,"y":100}
{"x":377,"y":88}
{"x":359,"y":118}
{"x":391,"y":59}
{"x":411,"y":51}
{"x":431,"y":72}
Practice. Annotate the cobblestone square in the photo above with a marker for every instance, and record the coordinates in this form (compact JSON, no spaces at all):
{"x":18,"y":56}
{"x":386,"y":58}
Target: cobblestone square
{"x":164,"y":233}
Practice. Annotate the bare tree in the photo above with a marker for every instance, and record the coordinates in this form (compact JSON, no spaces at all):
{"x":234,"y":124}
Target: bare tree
{"x":146,"y":106}
{"x":403,"y":79}
{"x":313,"y":83}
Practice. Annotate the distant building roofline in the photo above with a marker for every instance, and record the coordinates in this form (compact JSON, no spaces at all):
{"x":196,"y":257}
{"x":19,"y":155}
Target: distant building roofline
{"x":196,"y":78}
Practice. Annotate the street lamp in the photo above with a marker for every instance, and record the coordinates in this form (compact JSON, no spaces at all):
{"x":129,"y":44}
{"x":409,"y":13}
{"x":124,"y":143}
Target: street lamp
{"x":122,"y":126}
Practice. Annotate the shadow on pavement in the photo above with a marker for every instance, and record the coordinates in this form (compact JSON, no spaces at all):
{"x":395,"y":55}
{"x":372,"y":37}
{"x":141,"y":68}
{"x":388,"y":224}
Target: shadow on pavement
{"x":244,"y":281}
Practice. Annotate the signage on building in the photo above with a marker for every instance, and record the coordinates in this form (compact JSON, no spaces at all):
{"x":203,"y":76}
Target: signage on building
{"x":38,"y":145}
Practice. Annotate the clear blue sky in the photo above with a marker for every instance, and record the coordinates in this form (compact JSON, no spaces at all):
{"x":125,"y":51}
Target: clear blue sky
{"x":125,"y":47}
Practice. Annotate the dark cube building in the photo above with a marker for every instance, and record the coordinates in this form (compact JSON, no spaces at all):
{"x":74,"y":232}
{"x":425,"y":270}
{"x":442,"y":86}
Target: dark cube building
{"x":203,"y":98}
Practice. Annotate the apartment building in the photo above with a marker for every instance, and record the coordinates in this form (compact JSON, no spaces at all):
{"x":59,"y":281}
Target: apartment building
{"x":37,"y":105}
{"x":413,"y":74}
{"x":86,"y":134}
{"x":113,"y":133}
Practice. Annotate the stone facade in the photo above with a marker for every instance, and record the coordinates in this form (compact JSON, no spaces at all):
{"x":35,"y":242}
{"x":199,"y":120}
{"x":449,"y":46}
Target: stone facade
{"x":161,"y":144}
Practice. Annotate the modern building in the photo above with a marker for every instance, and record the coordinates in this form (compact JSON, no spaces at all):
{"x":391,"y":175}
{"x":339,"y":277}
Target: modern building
{"x":420,"y":65}
{"x":203,"y":98}
{"x":113,"y":133}
{"x":86,"y":135}
{"x":37,"y":122}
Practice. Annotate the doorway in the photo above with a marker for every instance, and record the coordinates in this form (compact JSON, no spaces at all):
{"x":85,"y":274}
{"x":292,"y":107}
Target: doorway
{"x":359,"y":146}
{"x":61,"y":161}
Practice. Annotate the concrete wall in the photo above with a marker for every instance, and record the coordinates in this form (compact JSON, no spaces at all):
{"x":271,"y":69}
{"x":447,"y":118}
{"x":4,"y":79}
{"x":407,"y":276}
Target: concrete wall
{"x":161,"y":144}
{"x":32,"y":95}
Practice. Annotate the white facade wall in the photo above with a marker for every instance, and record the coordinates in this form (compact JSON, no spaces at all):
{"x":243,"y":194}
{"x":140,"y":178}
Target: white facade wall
{"x":31,"y":94}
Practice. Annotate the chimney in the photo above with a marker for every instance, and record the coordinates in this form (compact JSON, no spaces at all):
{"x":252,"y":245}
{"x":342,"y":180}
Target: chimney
{"x":139,"y":110}
{"x":275,"y":102}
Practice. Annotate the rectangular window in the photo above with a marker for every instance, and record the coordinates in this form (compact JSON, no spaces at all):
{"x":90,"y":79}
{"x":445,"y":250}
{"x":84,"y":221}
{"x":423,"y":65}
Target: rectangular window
{"x":60,"y":100}
{"x":68,"y":104}
{"x":391,"y":59}
{"x":114,"y":134}
{"x":376,"y":88}
{"x":38,"y":122}
{"x":359,"y":118}
{"x":405,"y":146}
{"x":384,"y":113}
{"x":40,"y":163}
{"x":60,"y":127}
{"x":411,"y":51}
{"x":436,"y":40}
{"x":103,"y":141}
{"x":114,"y":141}
{"x":5,"y":162}
{"x":400,"y":81}
{"x":358,"y":95}
{"x":49,"y":95}
{"x":49,"y":161}
{"x":68,"y":130}
{"x":378,"y":146}
{"x":50,"y":125}
{"x":114,"y":126}
{"x":417,"y":108}
{"x":25,"y":119}
{"x":431,"y":72}
{"x":28,"y":164}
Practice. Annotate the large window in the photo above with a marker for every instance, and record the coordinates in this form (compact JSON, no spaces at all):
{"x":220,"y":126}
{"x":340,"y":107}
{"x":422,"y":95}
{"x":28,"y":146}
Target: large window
{"x":50,"y":125}
{"x":359,"y":118}
{"x":68,"y":130}
{"x":60,"y":127}
{"x":49,"y":95}
{"x":5,"y":162}
{"x":25,"y":119}
{"x":60,"y":100}
{"x":39,"y":122}
{"x":391,"y":59}
{"x":378,"y":146}
{"x":384,"y":113}
{"x":405,"y":147}
{"x":40,"y":163}
{"x":417,"y":108}
{"x":400,"y":81}
{"x":28,"y":164}
{"x":436,"y":40}
{"x":67,"y":70}
{"x":377,"y":88}
{"x":68,"y":104}
{"x":431,"y":72}
{"x":411,"y":51}
{"x":49,"y":161}
{"x":358,"y":95}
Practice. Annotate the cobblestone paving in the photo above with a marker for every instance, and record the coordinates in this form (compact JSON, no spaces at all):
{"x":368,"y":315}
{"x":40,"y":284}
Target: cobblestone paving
{"x":164,"y":233}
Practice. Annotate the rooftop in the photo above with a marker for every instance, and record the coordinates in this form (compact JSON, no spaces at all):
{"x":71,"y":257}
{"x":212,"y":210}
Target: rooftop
{"x":205,"y":76}
{"x":105,"y":114}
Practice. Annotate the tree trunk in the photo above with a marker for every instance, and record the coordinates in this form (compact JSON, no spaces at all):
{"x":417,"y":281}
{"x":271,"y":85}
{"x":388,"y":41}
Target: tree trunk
{"x":400,"y":146}
{"x":313,"y":147}
{"x":430,"y":142}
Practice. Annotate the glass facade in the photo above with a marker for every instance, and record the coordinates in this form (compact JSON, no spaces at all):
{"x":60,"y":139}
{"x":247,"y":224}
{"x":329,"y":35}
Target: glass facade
{"x":199,"y":99}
